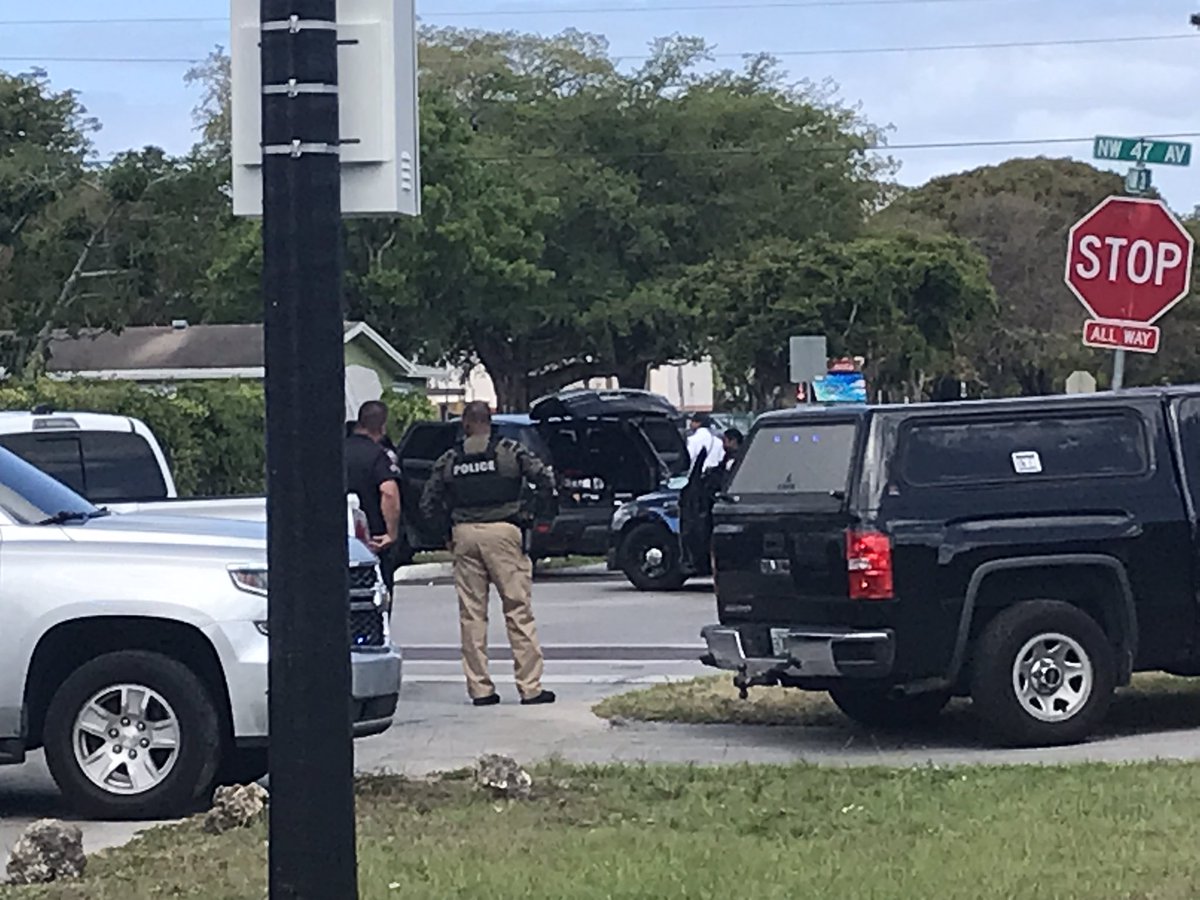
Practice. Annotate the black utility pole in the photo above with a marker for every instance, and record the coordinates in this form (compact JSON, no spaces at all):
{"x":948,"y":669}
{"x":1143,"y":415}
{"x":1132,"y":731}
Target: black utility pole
{"x":312,"y":852}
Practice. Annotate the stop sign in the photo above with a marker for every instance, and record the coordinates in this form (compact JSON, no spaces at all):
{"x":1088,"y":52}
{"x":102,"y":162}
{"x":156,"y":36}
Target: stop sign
{"x":1129,"y":260}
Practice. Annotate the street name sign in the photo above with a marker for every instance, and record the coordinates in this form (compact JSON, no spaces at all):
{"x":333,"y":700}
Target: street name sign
{"x":1140,"y":150}
{"x":1129,"y":261}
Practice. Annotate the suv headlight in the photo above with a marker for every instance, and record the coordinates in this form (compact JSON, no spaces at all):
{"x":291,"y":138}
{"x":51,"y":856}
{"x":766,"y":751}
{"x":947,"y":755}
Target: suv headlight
{"x":252,"y":580}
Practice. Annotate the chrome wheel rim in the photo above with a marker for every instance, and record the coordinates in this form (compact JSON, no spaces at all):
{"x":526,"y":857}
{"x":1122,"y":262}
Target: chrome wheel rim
{"x":654,"y":561}
{"x":126,"y":739}
{"x":1052,"y":677}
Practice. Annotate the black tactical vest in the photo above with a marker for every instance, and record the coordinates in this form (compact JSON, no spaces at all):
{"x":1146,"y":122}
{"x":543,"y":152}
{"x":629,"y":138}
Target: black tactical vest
{"x":476,"y":480}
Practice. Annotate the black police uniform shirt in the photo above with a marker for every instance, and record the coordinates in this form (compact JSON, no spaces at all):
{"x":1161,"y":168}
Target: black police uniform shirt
{"x":367,"y":467}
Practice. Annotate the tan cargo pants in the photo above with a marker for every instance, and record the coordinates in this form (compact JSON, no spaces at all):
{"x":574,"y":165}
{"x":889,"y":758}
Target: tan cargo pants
{"x":492,"y":554}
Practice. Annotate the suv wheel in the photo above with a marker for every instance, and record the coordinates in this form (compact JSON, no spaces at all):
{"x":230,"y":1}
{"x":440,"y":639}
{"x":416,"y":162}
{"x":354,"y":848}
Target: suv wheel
{"x":133,"y":735}
{"x":650,"y":558}
{"x":877,"y":707}
{"x":1044,"y":673}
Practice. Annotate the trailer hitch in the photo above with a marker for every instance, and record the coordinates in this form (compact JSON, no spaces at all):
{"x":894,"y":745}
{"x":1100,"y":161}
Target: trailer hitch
{"x":742,"y":683}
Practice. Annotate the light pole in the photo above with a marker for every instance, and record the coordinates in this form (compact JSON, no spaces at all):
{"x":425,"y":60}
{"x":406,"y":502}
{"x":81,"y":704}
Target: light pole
{"x":312,"y":842}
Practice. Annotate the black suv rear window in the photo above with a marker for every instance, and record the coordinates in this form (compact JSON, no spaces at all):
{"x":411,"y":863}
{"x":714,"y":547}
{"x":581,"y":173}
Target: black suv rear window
{"x":796,"y":459}
{"x":1017,"y":449}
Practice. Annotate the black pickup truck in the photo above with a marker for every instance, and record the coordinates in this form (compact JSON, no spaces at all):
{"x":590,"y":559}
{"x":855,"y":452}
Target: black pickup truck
{"x":1031,"y":554}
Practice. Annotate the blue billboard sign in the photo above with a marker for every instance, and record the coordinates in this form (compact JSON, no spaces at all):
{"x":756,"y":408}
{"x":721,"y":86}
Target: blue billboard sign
{"x":841,"y":387}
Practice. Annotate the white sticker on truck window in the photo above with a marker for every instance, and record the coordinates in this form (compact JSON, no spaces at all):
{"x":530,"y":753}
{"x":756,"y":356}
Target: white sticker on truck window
{"x":1027,"y":462}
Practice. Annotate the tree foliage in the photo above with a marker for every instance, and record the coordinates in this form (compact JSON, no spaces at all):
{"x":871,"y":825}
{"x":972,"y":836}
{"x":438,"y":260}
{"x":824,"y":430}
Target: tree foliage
{"x":583,"y":218}
{"x":902,"y":302}
{"x":1017,"y":215}
{"x":54,"y":221}
{"x":565,"y":198}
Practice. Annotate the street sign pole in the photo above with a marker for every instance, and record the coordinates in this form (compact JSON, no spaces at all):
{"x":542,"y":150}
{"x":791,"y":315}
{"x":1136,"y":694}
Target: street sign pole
{"x":1118,"y":376}
{"x":1134,"y":187}
{"x":1130,"y":330}
{"x":312,"y":839}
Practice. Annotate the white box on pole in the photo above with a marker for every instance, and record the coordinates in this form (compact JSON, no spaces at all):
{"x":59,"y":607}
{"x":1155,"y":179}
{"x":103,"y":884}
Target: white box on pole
{"x":377,"y":95}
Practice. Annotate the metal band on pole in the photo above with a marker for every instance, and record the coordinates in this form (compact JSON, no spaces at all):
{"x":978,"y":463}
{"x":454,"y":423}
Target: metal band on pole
{"x":295,"y":25}
{"x":296,"y":149}
{"x":293,"y":89}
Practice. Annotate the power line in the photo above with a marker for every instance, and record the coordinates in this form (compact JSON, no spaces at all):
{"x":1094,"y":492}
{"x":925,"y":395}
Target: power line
{"x":829,"y":148}
{"x":832,"y":51}
{"x":105,"y":60}
{"x":938,"y":48}
{"x":770,"y":4}
{"x":819,"y":148}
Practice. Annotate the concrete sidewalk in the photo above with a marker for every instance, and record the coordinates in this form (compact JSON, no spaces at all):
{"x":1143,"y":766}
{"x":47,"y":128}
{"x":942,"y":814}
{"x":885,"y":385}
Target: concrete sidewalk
{"x":436,"y":729}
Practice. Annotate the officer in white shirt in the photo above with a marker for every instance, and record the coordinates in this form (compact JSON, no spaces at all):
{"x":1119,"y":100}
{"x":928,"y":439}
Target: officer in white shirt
{"x":702,"y":438}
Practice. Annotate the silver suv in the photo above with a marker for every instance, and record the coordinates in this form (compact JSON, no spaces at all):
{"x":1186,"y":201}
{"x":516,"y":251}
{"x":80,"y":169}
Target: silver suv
{"x":135,"y":648}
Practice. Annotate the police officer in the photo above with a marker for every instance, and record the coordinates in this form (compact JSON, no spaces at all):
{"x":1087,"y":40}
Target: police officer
{"x":732,"y":440}
{"x":372,"y":476}
{"x":481,"y":486}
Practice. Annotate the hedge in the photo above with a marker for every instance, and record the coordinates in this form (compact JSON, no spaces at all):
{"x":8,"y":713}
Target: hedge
{"x":212,"y":432}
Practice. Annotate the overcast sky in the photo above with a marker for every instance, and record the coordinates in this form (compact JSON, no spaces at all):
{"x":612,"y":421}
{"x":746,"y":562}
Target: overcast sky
{"x":1008,"y":94}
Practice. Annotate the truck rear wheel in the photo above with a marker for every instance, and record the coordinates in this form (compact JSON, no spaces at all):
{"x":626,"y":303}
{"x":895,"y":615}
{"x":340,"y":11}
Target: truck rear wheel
{"x":1044,"y":673}
{"x":650,"y":558}
{"x":877,"y":707}
{"x":133,"y":735}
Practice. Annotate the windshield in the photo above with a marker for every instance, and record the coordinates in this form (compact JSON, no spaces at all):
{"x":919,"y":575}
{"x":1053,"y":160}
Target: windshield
{"x":797,"y":459}
{"x":28,"y":495}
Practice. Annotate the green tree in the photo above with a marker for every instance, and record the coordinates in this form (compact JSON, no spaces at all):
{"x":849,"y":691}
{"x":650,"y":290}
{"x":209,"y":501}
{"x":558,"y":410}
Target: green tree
{"x":1017,"y":214}
{"x":55,"y":221}
{"x":563,"y":199}
{"x":580,"y":194}
{"x":140,"y":240}
{"x":462,"y":282}
{"x":904,"y":302}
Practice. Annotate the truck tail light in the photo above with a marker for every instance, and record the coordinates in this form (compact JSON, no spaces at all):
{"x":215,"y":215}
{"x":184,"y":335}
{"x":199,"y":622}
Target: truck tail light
{"x":869,"y":565}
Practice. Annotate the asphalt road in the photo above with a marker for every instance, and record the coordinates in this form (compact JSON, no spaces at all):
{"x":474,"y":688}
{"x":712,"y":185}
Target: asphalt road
{"x":600,"y":636}
{"x":593,"y":631}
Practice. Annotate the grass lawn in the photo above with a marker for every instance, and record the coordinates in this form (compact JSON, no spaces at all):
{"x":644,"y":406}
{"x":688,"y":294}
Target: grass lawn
{"x":1152,"y":701}
{"x":759,"y":833}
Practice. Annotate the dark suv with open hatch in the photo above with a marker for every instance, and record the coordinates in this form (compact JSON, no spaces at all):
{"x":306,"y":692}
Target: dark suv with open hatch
{"x":606,"y":448}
